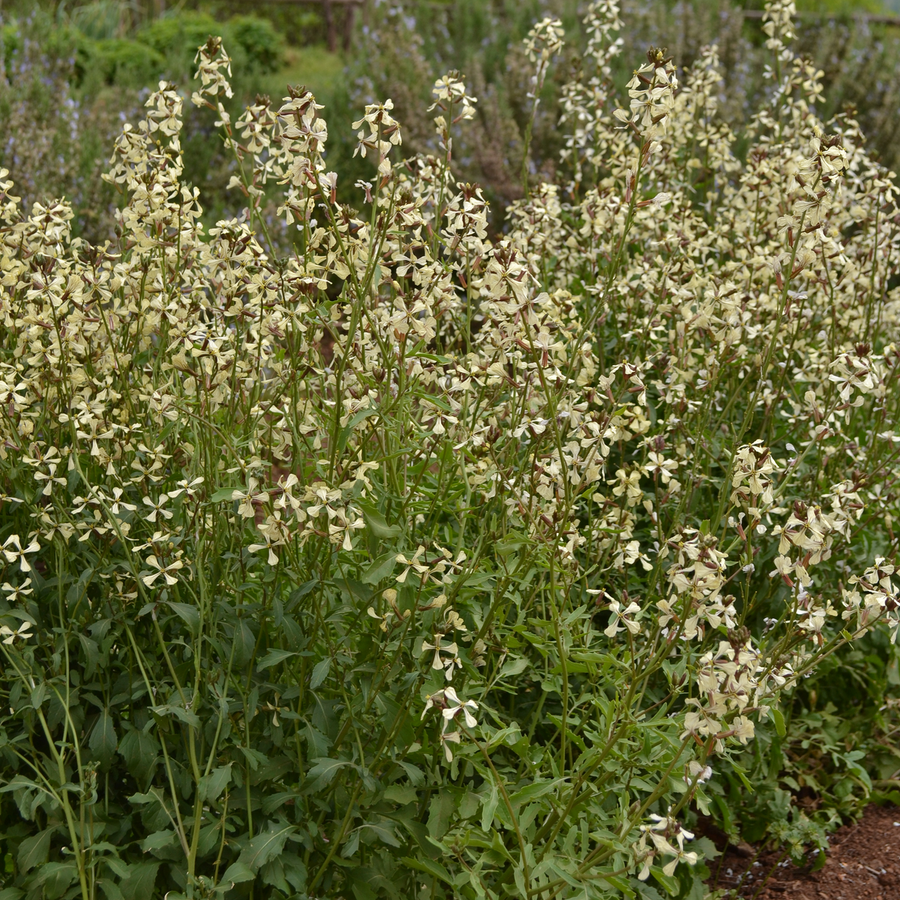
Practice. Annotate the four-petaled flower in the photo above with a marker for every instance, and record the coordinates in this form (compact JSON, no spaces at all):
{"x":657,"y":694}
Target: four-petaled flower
{"x":452,"y":652}
{"x":13,"y":551}
{"x":9,"y":635}
{"x":166,"y":571}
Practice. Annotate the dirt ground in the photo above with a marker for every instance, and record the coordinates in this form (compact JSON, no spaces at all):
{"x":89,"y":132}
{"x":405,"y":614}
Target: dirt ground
{"x":863,"y":864}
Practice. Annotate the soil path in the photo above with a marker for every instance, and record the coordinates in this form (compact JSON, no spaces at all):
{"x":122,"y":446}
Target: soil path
{"x":863,"y":864}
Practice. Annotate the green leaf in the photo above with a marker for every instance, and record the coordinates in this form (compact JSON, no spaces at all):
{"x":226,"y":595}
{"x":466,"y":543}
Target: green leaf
{"x":226,"y":493}
{"x":376,"y":523}
{"x":323,"y":772}
{"x":39,"y":695}
{"x":380,"y":568}
{"x":490,"y":806}
{"x":189,"y":614}
{"x":12,"y":893}
{"x":140,"y":752}
{"x":430,"y":867}
{"x":103,"y":740}
{"x":778,"y":719}
{"x":91,"y":653}
{"x":237,"y":873}
{"x":744,"y":780}
{"x":385,"y":831}
{"x":244,"y":643}
{"x":179,"y":712}
{"x":318,"y":743}
{"x":34,"y":850}
{"x":254,"y":757}
{"x":533,"y":791}
{"x":402,"y":794}
{"x":355,"y":419}
{"x":669,"y":882}
{"x":513,"y":667}
{"x":277,"y":800}
{"x":273,"y":657}
{"x":439,"y":812}
{"x":320,"y":672}
{"x":212,"y":785}
{"x":111,"y":890}
{"x":265,"y":846}
{"x":56,"y":878}
{"x":618,"y":882}
{"x":159,"y":840}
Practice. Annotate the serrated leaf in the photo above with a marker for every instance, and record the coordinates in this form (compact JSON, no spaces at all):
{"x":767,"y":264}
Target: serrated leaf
{"x":355,"y":419}
{"x":670,"y":884}
{"x":318,"y":743}
{"x":91,"y":654}
{"x":277,"y":800}
{"x":254,"y":757}
{"x":513,"y":667}
{"x":384,"y":829}
{"x":533,"y":791}
{"x":244,"y":643}
{"x":39,"y":695}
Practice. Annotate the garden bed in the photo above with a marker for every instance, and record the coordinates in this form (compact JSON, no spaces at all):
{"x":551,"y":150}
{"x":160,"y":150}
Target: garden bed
{"x":863,"y":864}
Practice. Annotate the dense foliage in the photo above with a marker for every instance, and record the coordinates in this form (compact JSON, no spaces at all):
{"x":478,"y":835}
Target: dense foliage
{"x":411,"y":562}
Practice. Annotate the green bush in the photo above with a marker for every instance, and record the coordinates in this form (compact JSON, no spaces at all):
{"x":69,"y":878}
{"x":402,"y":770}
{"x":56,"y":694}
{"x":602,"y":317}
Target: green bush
{"x":119,"y":61}
{"x":262,"y":47}
{"x":176,"y":38}
{"x":256,"y":45}
{"x":412,"y":562}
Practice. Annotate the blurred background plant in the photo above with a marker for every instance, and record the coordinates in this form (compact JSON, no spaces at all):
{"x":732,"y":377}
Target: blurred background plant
{"x":100,"y":55}
{"x":411,"y":42}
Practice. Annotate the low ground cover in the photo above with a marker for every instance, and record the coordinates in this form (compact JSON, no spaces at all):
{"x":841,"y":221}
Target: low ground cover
{"x":356,"y":553}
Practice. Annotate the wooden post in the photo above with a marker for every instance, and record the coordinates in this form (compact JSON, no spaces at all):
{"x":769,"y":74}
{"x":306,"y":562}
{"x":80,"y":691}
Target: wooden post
{"x":329,"y":25}
{"x":349,"y":13}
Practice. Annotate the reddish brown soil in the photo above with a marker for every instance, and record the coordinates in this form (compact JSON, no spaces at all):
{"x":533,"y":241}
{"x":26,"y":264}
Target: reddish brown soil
{"x":863,"y":864}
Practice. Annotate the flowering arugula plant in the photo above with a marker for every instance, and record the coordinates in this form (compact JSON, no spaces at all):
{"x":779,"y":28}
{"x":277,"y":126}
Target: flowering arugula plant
{"x":422,"y":563}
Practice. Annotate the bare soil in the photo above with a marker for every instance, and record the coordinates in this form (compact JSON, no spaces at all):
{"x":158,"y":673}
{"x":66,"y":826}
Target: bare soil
{"x":863,"y":864}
